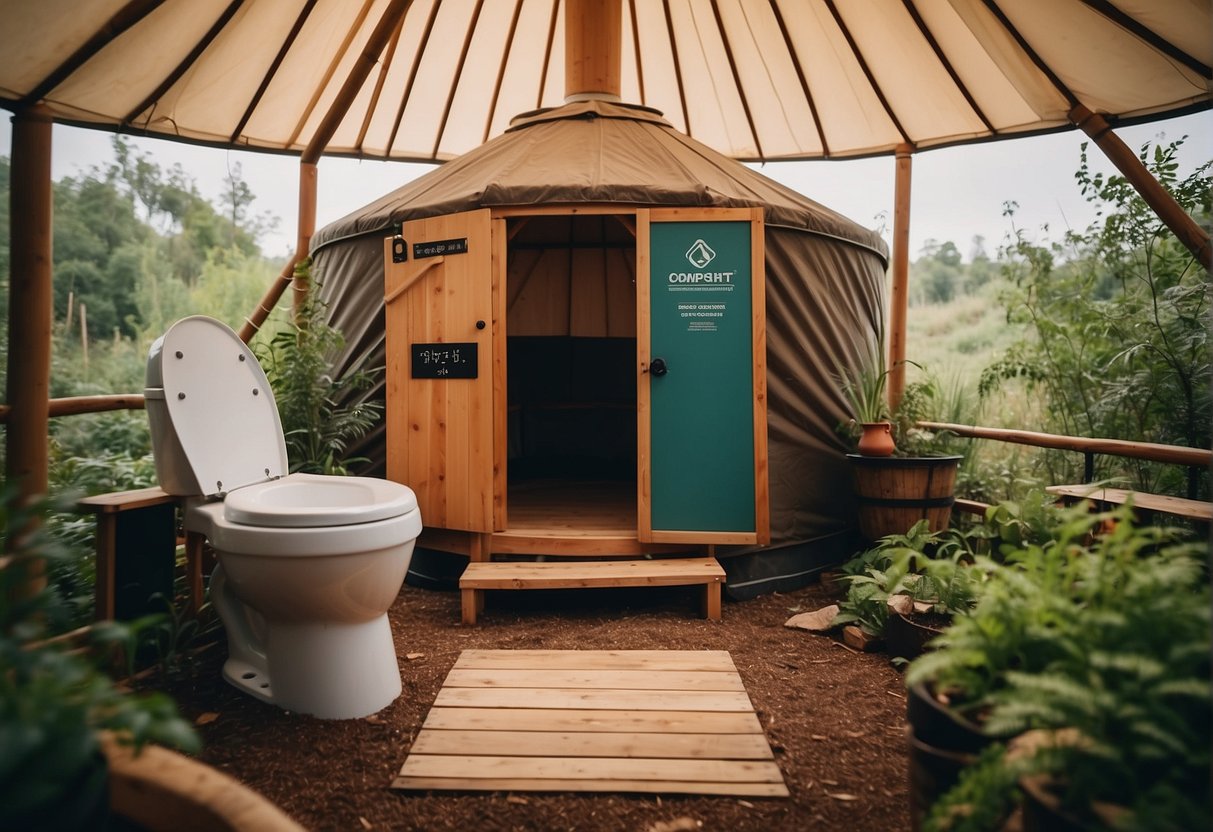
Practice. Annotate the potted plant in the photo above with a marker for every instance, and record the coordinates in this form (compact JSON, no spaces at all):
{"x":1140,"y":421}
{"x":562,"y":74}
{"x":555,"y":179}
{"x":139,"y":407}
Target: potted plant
{"x":1096,"y":646}
{"x":907,"y":587}
{"x":864,"y":388}
{"x":948,"y":689}
{"x":902,"y":473}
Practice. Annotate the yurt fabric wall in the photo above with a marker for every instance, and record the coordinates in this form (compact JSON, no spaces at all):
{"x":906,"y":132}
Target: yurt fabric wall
{"x":825,"y":274}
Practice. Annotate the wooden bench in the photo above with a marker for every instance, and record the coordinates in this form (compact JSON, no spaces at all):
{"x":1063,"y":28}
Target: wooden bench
{"x":1142,"y":501}
{"x":483,"y":575}
{"x":143,"y":522}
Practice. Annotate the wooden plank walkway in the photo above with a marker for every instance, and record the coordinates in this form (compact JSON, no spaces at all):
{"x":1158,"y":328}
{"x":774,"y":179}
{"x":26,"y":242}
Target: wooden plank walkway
{"x":655,"y":721}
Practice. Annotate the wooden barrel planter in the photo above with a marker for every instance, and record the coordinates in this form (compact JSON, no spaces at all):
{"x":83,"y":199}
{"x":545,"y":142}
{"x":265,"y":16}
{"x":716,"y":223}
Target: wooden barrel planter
{"x":894,"y":493}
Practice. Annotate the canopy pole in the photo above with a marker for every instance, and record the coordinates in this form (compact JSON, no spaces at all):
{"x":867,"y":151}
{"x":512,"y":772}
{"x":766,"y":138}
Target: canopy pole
{"x":308,"y":178}
{"x":1156,"y":196}
{"x":29,"y":319}
{"x":307,"y":226}
{"x":593,"y":40}
{"x":899,"y":301}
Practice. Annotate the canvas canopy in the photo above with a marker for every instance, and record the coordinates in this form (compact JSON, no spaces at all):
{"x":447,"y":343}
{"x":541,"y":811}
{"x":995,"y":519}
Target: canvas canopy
{"x":824,"y":273}
{"x":754,"y":79}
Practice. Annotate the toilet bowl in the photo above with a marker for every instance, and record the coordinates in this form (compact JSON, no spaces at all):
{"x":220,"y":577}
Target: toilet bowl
{"x":308,"y":565}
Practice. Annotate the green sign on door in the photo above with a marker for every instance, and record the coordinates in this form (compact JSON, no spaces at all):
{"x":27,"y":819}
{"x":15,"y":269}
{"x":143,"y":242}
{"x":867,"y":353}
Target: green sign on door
{"x":701,"y":376}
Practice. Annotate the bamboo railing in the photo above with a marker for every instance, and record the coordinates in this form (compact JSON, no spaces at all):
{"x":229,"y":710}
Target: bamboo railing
{"x":1195,"y":459}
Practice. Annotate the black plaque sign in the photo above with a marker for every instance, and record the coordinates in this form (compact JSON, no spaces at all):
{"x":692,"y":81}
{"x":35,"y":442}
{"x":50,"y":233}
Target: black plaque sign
{"x":438,"y":248}
{"x":454,"y":360}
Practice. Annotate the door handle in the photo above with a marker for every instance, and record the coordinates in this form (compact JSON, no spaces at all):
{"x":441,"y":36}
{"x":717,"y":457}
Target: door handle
{"x":657,"y":367}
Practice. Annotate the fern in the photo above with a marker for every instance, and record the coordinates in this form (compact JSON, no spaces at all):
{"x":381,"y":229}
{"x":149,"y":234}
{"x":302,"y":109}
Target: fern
{"x":1107,"y":637}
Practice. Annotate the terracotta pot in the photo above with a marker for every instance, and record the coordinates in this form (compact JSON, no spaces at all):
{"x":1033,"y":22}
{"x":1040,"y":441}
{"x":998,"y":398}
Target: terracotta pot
{"x":159,"y":790}
{"x":876,"y":439}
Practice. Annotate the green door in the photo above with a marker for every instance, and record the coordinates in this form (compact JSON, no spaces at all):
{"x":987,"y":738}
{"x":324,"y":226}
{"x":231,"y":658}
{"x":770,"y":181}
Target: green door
{"x":702,"y":400}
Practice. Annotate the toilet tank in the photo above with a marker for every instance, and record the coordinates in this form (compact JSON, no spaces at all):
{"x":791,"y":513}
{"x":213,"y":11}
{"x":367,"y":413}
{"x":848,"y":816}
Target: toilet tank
{"x":173,"y":470}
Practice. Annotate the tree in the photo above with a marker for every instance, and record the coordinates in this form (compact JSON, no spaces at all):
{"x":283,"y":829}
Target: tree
{"x":938,"y":271}
{"x":93,"y":220}
{"x":1117,"y":339}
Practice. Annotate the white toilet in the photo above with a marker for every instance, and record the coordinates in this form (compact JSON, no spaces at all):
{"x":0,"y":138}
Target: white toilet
{"x":308,"y":565}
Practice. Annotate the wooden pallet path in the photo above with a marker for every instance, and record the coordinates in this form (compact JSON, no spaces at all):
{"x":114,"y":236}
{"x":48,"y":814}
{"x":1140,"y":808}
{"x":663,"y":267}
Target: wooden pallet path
{"x":655,"y":721}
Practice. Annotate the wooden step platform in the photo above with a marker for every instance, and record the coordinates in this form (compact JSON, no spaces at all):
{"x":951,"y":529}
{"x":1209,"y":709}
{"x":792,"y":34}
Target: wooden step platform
{"x":480,"y":576}
{"x":653,"y":721}
{"x":1197,"y":510}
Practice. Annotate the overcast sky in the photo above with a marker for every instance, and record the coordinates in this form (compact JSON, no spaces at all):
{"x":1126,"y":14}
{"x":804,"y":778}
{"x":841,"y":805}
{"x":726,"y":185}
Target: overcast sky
{"x":958,"y":193}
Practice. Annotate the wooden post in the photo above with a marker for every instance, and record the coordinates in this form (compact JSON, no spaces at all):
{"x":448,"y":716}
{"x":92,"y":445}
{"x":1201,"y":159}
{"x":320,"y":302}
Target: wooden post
{"x":307,"y":227}
{"x":593,"y":39}
{"x":1169,"y":211}
{"x":84,"y":337}
{"x":29,"y":317}
{"x":29,"y":310}
{"x":899,"y":299}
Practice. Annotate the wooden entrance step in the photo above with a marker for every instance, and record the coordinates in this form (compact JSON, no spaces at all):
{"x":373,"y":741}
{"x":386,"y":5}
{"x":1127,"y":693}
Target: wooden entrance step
{"x":480,"y":576}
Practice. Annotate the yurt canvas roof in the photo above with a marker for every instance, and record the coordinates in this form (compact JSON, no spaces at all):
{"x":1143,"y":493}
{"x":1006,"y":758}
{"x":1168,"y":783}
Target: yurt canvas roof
{"x":595,"y":151}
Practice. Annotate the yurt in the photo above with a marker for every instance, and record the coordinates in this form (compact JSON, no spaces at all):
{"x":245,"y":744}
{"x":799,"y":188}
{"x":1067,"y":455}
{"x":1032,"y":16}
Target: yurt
{"x":600,"y":338}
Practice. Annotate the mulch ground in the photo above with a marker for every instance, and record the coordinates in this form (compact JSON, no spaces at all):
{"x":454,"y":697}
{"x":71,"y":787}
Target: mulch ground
{"x":835,"y":720}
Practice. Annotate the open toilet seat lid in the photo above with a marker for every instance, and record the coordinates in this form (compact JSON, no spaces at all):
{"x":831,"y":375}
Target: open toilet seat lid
{"x":311,"y":500}
{"x":220,"y":404}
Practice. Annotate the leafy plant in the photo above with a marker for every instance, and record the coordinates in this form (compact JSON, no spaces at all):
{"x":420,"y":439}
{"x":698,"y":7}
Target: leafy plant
{"x":1017,"y":623}
{"x":982,"y":797}
{"x":864,"y":386}
{"x":935,"y":568}
{"x":1116,"y":328}
{"x":928,"y":399}
{"x":867,"y":602}
{"x":1103,"y":634}
{"x":318,"y":431}
{"x":54,"y":702}
{"x":161,"y":637}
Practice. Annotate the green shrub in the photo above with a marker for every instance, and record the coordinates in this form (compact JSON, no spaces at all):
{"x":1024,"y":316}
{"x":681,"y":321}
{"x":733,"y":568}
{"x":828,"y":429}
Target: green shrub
{"x":1101,"y":633}
{"x":298,"y":361}
{"x":53,"y":702}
